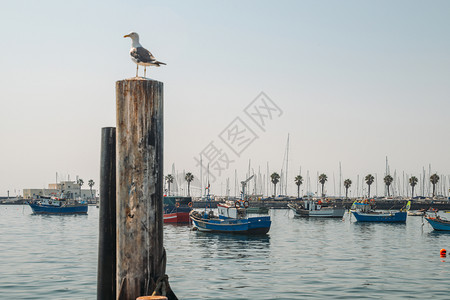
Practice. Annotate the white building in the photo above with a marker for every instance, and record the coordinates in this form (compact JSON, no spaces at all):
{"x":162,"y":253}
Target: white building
{"x":55,"y":189}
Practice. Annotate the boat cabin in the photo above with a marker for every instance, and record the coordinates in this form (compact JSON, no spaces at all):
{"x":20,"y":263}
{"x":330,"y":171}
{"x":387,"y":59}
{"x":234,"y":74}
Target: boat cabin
{"x":230,"y":209}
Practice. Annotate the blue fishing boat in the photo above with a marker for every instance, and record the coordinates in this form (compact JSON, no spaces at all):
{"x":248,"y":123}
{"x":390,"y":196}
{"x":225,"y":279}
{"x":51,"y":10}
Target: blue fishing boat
{"x":211,"y":223}
{"x":58,"y":206}
{"x":438,"y":223}
{"x":363,"y":212}
{"x":232,"y":218}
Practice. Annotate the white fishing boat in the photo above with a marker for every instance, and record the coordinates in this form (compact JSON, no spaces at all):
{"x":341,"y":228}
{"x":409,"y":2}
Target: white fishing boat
{"x":420,"y":212}
{"x":315,"y":208}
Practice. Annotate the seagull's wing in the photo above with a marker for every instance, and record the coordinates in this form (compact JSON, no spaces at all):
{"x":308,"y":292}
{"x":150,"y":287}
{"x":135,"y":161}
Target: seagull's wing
{"x":142,"y":55}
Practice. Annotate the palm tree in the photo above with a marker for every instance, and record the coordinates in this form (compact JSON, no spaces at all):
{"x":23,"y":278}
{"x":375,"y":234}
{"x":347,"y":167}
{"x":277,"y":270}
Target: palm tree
{"x":189,"y":177}
{"x":298,"y":182}
{"x":275,"y":178}
{"x":434,"y":180}
{"x":91,"y":184}
{"x":388,"y":180}
{"x":322,"y":179}
{"x":347,"y":184}
{"x":369,"y":180}
{"x":169,"y":179}
{"x":80,"y":182}
{"x":413,"y":181}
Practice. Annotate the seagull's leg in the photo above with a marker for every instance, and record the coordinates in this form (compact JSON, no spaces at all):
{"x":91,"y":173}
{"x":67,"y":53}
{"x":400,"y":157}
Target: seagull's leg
{"x":145,"y":70}
{"x":137,"y":70}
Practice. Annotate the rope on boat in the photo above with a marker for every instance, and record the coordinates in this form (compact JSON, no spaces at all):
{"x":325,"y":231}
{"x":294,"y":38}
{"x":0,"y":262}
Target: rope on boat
{"x":162,"y":286}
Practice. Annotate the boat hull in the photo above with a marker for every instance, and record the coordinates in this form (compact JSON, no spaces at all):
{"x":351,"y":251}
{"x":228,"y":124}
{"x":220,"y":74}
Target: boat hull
{"x":62,"y":210}
{"x":177,"y":209}
{"x":255,"y":225}
{"x":439,"y":225}
{"x":397,"y":217}
{"x":177,"y":217}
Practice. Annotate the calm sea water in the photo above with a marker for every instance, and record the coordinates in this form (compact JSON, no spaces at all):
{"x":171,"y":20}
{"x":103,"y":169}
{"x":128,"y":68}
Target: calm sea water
{"x":55,"y":257}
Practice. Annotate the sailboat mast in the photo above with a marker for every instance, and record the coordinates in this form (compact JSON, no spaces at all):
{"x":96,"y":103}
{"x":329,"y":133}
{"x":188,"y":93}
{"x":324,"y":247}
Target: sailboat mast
{"x":235,"y":183}
{"x":201,"y":177}
{"x":429,"y":182}
{"x":340,"y":180}
{"x":267,"y":180}
{"x":287,"y":165}
{"x":376,"y":184}
{"x":334,"y":185}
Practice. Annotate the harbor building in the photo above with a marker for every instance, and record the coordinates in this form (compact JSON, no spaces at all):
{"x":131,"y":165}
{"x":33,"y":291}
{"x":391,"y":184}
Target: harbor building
{"x":55,"y":189}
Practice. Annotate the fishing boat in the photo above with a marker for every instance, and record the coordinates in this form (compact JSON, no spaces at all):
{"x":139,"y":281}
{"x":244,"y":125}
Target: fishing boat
{"x":420,"y":212}
{"x":438,"y":223}
{"x":236,"y":222}
{"x":313,"y":208}
{"x":177,"y":209}
{"x":364,"y":212}
{"x":232,"y":218}
{"x":58,"y":205}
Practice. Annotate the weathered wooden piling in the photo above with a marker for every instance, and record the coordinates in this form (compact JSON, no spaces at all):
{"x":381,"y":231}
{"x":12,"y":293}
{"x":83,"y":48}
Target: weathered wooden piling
{"x":140,"y":252}
{"x":106,"y":274}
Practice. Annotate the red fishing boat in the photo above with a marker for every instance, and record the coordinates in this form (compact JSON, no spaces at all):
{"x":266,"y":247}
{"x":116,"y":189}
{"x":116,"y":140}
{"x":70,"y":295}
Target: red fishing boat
{"x":177,"y":209}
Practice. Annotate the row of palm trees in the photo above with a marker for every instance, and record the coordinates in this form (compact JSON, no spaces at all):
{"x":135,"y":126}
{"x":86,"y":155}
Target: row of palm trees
{"x":91,"y":183}
{"x":275,"y":179}
{"x":188,"y":177}
{"x":388,"y":179}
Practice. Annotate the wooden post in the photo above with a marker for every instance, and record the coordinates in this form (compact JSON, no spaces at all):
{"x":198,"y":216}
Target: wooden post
{"x":140,"y":253}
{"x":106,"y":276}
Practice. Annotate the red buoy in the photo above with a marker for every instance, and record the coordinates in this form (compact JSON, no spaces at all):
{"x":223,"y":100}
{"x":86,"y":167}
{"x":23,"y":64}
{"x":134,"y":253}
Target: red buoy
{"x":443,"y":252}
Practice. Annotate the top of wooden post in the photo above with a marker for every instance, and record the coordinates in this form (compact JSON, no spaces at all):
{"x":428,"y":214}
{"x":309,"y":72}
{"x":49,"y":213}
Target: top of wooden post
{"x":138,"y":79}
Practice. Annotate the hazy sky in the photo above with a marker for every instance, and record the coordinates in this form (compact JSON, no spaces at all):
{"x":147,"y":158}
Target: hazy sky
{"x":353,"y":82}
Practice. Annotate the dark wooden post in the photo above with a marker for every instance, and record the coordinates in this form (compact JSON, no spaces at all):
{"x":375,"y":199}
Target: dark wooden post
{"x":106,"y":276}
{"x":140,"y":259}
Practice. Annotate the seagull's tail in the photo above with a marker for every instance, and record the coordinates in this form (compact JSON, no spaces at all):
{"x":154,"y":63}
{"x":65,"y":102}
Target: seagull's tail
{"x":159,"y":63}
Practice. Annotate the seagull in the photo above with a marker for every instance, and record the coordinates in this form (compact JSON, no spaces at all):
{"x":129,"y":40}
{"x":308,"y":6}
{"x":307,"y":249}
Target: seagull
{"x":140,"y":55}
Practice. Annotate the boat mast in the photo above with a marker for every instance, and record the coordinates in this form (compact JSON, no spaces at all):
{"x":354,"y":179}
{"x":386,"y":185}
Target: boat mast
{"x":201,"y":178}
{"x":287,"y":165}
{"x":423,"y":182}
{"x":175,"y":183}
{"x":248,"y":174}
{"x":357,"y":186}
{"x":376,"y":184}
{"x":308,"y":184}
{"x":385,"y":174}
{"x":267,"y":180}
{"x":429,"y":175}
{"x":340,"y":180}
{"x":207,"y":196}
{"x":235,"y":183}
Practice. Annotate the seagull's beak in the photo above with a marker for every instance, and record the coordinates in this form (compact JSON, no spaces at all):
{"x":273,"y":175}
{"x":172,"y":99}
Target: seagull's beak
{"x":127,"y":35}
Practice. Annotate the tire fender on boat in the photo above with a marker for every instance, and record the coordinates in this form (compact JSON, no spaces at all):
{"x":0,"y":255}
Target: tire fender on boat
{"x":246,"y":204}
{"x":190,"y":204}
{"x":237,"y":204}
{"x":177,"y":204}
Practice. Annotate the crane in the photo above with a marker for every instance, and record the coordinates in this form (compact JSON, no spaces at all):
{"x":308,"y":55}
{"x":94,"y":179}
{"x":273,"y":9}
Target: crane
{"x":244,"y":185}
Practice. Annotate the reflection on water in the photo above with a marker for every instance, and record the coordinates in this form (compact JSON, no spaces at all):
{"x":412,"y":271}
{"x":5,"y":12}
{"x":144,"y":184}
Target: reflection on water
{"x":233,"y":246}
{"x":55,"y":257}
